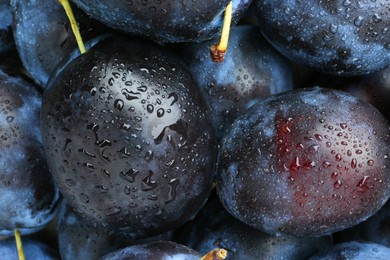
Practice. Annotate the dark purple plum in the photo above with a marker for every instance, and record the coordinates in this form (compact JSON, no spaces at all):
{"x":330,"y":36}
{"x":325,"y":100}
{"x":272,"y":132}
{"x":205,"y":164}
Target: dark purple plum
{"x":252,"y":70}
{"x":128,"y":138}
{"x":164,"y":21}
{"x":338,"y":37}
{"x":28,"y":195}
{"x":215,"y":227}
{"x":32,"y":250}
{"x":6,"y":36}
{"x":44,"y":37}
{"x":305,"y":163}
{"x":355,"y":251}
{"x":78,"y":239}
{"x":159,"y":250}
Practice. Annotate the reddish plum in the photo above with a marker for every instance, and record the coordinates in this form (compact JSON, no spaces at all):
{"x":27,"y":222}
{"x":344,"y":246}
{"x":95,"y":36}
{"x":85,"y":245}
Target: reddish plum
{"x":307,"y":163}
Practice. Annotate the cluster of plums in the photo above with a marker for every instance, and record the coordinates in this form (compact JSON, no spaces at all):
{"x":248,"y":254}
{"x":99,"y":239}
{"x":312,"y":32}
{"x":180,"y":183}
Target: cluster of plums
{"x":144,"y":148}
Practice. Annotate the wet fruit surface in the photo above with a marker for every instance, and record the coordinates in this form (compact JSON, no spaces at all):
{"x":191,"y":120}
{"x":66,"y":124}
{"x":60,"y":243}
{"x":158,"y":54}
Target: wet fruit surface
{"x":28,"y":195}
{"x":128,"y":138}
{"x":164,"y":21}
{"x":340,"y":37}
{"x":302,"y":164}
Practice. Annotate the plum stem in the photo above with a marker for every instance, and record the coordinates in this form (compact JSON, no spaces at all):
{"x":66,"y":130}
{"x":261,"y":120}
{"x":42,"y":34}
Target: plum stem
{"x":215,"y":254}
{"x":19,"y":246}
{"x":218,"y":51}
{"x":73,"y":24}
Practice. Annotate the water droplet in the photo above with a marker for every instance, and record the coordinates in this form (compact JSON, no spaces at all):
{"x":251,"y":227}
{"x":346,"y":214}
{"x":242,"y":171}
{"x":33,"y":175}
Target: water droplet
{"x":346,"y":3}
{"x":174,"y":96}
{"x":148,"y":155}
{"x":313,"y":148}
{"x":334,"y":175}
{"x":362,"y":184}
{"x":103,"y":143}
{"x":160,"y":112}
{"x":129,"y":175}
{"x":148,"y":183}
{"x":370,"y":162}
{"x":326,"y":164}
{"x":113,"y":211}
{"x":88,"y":154}
{"x":129,"y":95}
{"x":353,"y":163}
{"x":142,"y":88}
{"x":318,"y":137}
{"x":172,"y":192}
{"x":337,"y":185}
{"x":150,"y":108}
{"x":338,"y":157}
{"x":343,"y":125}
{"x":358,"y":21}
{"x":333,"y":28}
{"x":170,"y":163}
{"x":10,"y":119}
{"x":83,"y":198}
{"x":152,"y":197}
{"x":119,"y":104}
{"x":376,"y":18}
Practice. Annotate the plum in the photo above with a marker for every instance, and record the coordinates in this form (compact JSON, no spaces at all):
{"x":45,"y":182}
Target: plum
{"x":28,"y":195}
{"x":164,"y":21}
{"x":159,"y":250}
{"x":128,"y":138}
{"x":354,"y":250}
{"x":307,"y":162}
{"x":334,"y":36}
{"x":44,"y":37}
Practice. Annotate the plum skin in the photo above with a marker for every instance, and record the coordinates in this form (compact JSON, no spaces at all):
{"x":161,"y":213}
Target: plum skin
{"x":305,"y":163}
{"x":164,"y":21}
{"x":128,"y":138}
{"x":336,"y":37}
{"x":29,"y":197}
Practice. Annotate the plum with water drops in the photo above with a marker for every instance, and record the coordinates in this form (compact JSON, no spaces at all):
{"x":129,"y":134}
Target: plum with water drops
{"x":306,"y":163}
{"x":165,"y":21}
{"x":44,"y":37}
{"x":128,"y":138}
{"x":251,"y":70}
{"x":28,"y":196}
{"x":339,"y":37}
{"x":354,"y":250}
{"x":159,"y":250}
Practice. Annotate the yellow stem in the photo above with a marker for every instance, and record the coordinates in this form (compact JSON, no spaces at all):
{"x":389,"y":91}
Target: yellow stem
{"x":73,"y":24}
{"x":19,"y":246}
{"x":222,"y":46}
{"x":218,"y":51}
{"x":216,"y":254}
